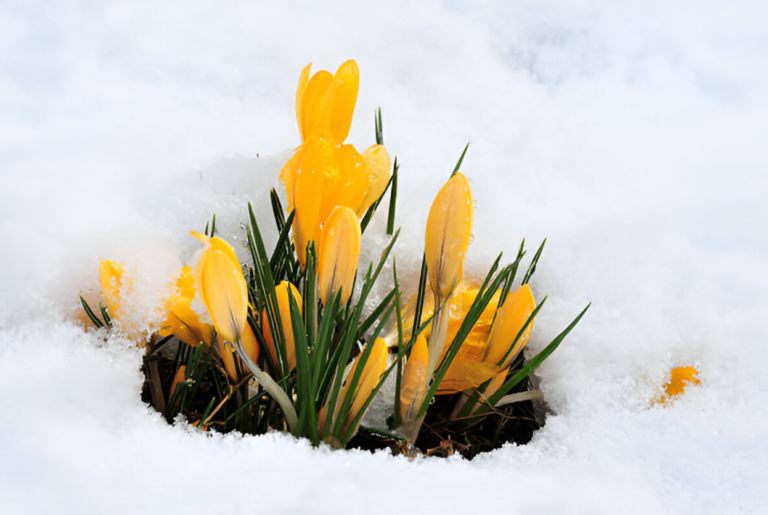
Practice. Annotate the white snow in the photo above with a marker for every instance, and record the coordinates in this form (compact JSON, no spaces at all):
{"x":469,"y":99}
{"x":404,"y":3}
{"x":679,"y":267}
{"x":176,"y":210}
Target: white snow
{"x":630,"y":134}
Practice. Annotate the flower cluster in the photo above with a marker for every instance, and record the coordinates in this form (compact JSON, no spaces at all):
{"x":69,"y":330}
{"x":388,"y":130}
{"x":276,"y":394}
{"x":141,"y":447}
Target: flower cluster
{"x":297,"y":351}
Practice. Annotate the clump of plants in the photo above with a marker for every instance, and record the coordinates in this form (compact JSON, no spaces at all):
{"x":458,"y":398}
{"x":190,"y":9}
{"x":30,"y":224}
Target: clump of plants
{"x":284,"y":345}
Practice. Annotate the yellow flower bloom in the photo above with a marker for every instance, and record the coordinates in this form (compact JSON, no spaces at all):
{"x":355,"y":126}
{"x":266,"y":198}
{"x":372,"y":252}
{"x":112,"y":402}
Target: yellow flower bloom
{"x":229,"y":354}
{"x":181,"y":321}
{"x":325,"y":103}
{"x":338,"y":254}
{"x":324,"y":173}
{"x":221,"y":285}
{"x":680,"y":378}
{"x":414,"y":385}
{"x":477,"y":358}
{"x":449,"y":227}
{"x":511,"y":318}
{"x":284,"y":308}
{"x":111,"y":278}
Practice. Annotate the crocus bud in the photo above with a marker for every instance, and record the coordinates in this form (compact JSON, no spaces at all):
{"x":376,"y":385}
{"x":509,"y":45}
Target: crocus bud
{"x":284,"y":308}
{"x":111,"y":277}
{"x":221,"y":285}
{"x":369,"y":378}
{"x":448,"y":231}
{"x":414,"y":386}
{"x":325,"y":103}
{"x":338,"y":254}
{"x":511,"y":318}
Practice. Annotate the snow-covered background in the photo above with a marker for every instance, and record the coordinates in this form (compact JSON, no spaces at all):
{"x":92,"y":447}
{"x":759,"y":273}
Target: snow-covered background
{"x":631,"y":134}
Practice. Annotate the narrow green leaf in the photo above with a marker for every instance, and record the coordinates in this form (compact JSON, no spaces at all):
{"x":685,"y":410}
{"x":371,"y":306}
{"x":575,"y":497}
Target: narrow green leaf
{"x":305,"y":396}
{"x":88,"y":311}
{"x":461,"y":160}
{"x":534,"y":261}
{"x":392,"y":199}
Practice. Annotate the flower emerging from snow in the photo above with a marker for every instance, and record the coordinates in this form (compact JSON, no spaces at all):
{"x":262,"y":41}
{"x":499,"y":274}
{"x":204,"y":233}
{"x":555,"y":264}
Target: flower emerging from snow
{"x":323,"y":172}
{"x":221,"y":285}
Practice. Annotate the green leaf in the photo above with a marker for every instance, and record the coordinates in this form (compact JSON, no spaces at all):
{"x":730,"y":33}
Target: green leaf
{"x":461,"y":160}
{"x":392,"y":199}
{"x":534,"y":261}
{"x":88,"y":311}
{"x":305,"y":396}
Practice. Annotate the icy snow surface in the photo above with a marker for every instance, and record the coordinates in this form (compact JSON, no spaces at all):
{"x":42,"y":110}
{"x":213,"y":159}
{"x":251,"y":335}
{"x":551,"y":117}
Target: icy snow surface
{"x":631,"y":134}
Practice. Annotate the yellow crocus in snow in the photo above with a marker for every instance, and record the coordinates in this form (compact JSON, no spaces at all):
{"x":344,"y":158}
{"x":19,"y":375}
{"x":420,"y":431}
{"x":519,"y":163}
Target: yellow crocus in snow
{"x":449,"y":227}
{"x":222,"y":288}
{"x":323,"y":172}
{"x":284,"y":308}
{"x":680,"y":378}
{"x":181,"y":320}
{"x":338,"y":254}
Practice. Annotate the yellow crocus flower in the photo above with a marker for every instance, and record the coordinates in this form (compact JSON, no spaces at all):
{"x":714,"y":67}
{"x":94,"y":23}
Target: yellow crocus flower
{"x":325,"y":103}
{"x":222,"y":288}
{"x":181,"y":320}
{"x":284,"y":308}
{"x":414,"y":386}
{"x":449,"y":227}
{"x":323,"y":172}
{"x":338,"y":254}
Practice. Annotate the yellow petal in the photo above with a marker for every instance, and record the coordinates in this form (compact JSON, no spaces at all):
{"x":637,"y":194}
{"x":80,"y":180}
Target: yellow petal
{"x":369,"y":378}
{"x":180,"y":377}
{"x":344,"y":91}
{"x":186,"y":283}
{"x":319,"y":167}
{"x":229,"y":355}
{"x":511,"y":318}
{"x":353,"y":183}
{"x":338,"y":254}
{"x":303,"y":79}
{"x":288,"y":174}
{"x":680,"y":378}
{"x":222,"y":288}
{"x":316,"y":108}
{"x":468,"y":370}
{"x":379,"y":165}
{"x":414,"y":386}
{"x":185,"y":324}
{"x":111,"y":278}
{"x":448,"y":232}
{"x":284,"y":308}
